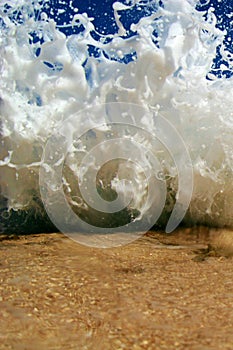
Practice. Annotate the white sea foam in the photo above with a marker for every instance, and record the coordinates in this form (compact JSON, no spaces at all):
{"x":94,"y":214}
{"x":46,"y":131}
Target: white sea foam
{"x":46,"y":77}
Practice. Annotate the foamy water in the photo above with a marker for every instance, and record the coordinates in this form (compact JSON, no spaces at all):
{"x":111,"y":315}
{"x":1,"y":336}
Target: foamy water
{"x":163,"y":67}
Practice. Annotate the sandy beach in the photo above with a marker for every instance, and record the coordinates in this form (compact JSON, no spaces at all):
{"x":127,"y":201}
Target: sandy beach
{"x":160,"y":292}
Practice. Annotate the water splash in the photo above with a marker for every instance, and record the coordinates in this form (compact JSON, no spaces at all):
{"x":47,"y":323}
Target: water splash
{"x":161,"y":59}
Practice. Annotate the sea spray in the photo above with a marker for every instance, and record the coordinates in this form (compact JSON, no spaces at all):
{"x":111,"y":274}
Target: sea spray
{"x":162,"y":64}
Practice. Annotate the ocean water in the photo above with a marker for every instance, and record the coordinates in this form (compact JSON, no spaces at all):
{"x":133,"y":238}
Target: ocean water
{"x":124,"y":127}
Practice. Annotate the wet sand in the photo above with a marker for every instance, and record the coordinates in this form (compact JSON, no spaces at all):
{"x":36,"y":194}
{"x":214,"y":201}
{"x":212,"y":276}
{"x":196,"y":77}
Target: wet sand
{"x":160,"y":292}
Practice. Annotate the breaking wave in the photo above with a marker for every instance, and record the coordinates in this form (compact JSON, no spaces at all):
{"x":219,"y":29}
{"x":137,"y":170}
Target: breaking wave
{"x":159,"y":56}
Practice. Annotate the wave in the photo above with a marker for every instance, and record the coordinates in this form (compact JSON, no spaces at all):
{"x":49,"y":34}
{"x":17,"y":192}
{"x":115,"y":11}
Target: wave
{"x":55,"y":72}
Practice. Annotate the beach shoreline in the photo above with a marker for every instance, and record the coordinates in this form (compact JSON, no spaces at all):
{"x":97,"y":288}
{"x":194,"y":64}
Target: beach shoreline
{"x":160,"y":292}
